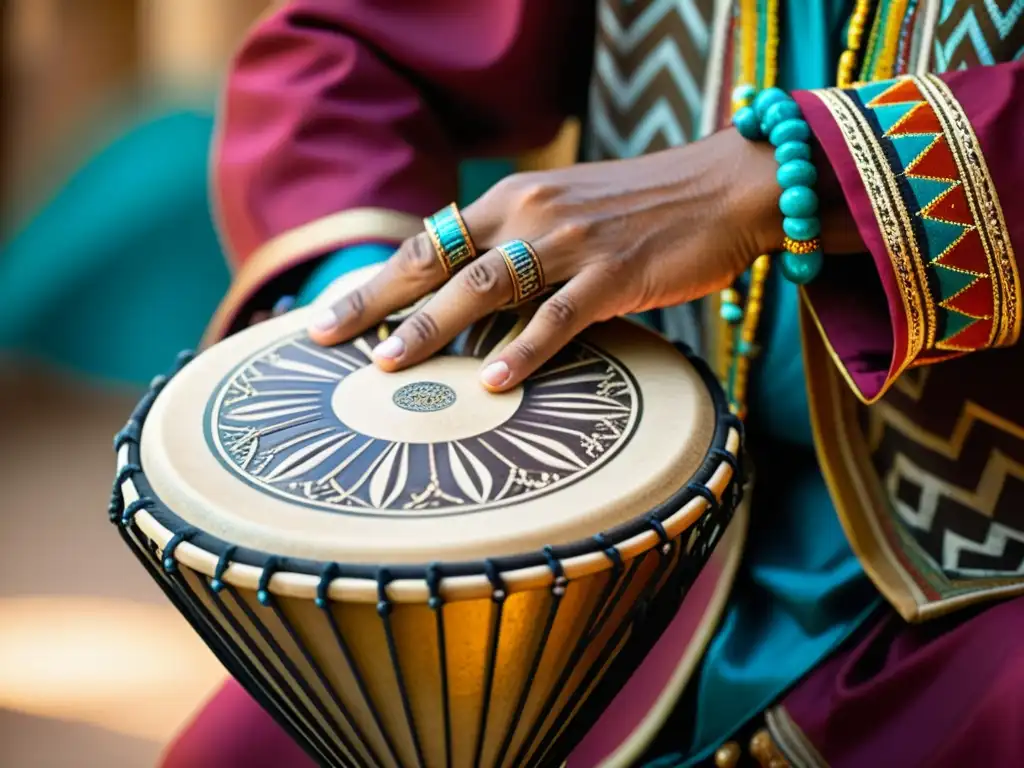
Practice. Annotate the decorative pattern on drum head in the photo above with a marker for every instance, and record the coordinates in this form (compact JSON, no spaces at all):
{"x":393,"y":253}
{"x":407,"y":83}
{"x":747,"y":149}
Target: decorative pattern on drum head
{"x":272,"y":423}
{"x":424,"y":397}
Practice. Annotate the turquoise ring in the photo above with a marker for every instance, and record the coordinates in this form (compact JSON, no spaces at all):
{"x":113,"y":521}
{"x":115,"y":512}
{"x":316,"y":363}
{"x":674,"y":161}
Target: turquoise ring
{"x":525,"y":269}
{"x":452,"y":243}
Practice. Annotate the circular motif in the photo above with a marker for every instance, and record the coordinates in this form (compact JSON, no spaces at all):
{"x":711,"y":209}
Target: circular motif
{"x":274,"y":422}
{"x":424,"y":397}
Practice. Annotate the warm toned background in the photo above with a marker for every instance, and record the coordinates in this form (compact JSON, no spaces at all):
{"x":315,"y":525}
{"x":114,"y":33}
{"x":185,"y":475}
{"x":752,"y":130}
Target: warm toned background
{"x":95,"y":668}
{"x":106,"y":240}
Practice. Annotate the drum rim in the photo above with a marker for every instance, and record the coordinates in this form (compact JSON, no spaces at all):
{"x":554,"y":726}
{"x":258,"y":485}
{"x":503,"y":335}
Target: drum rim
{"x":696,"y":487}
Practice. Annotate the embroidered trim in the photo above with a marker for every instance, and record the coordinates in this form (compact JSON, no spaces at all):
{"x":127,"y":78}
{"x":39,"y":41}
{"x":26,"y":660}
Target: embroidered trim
{"x":891,"y":214}
{"x":987,"y":212}
{"x":923,"y":168}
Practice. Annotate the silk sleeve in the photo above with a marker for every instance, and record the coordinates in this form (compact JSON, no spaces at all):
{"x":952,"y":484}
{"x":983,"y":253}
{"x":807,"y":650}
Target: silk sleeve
{"x":345,"y":122}
{"x":931,"y":169}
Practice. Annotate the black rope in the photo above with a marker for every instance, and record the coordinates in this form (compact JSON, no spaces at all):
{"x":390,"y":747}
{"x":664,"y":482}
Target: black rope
{"x":290,"y":680}
{"x":664,"y":542}
{"x":217,"y":582}
{"x":169,"y":563}
{"x":499,"y":592}
{"x":130,"y":433}
{"x":130,"y":511}
{"x":610,"y":552}
{"x":558,"y":586}
{"x":327,"y":575}
{"x":346,"y":653}
{"x":705,"y":493}
{"x":263,"y":586}
{"x":723,"y":455}
{"x":384,"y":609}
{"x":436,"y":603}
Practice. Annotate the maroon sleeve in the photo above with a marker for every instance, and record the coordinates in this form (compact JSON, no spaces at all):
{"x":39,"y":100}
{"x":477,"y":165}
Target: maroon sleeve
{"x":345,"y":120}
{"x":931,"y":169}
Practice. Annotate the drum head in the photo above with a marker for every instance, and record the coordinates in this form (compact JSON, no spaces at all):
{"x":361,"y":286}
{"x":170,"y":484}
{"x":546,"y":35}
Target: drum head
{"x":275,"y":444}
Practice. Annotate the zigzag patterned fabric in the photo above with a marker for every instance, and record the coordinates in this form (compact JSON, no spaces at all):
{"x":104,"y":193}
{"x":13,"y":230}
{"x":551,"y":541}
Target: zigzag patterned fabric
{"x":959,"y":278}
{"x":978,"y":32}
{"x":649,"y":66}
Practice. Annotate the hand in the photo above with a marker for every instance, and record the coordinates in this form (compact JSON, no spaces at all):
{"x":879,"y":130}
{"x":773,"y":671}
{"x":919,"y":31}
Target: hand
{"x":622,"y":237}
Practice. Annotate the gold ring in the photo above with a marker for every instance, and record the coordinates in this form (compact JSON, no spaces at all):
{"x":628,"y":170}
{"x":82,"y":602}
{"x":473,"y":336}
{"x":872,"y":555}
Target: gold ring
{"x":525,"y":269}
{"x":452,"y":243}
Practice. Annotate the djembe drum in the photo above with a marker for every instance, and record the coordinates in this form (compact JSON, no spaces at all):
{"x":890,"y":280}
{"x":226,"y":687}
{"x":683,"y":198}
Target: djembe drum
{"x":406,"y":570}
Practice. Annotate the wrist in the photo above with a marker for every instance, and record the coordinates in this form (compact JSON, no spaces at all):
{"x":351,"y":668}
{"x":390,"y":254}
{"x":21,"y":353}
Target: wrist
{"x":753,"y":193}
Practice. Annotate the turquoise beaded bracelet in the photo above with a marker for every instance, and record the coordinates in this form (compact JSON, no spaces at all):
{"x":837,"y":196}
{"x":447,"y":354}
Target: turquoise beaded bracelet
{"x":774,"y":116}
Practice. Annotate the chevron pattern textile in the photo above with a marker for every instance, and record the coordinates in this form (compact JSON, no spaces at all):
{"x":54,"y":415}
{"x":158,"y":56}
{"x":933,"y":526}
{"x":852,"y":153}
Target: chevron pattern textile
{"x":650,"y":61}
{"x":954,"y":476}
{"x":970,"y":33}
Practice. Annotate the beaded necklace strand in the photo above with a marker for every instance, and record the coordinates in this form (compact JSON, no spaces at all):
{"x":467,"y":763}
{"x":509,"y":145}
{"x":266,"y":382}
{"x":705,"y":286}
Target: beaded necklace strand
{"x":757,"y":64}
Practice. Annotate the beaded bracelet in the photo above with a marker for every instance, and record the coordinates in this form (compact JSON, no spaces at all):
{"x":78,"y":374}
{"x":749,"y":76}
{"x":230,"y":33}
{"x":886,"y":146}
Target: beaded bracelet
{"x":772,"y":114}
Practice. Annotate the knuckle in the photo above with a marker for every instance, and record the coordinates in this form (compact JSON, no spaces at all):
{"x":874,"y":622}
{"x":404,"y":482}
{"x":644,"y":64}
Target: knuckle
{"x":522,"y":351}
{"x":619,"y":266}
{"x":355,"y":304}
{"x":416,"y":258}
{"x":560,"y":310}
{"x":423,"y":327}
{"x":573,"y":233}
{"x":533,"y":190}
{"x":480,"y":278}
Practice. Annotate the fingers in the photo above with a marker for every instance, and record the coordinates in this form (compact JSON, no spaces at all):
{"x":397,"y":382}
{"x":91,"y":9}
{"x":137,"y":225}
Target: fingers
{"x":412,"y":272}
{"x":585,"y":299}
{"x":476,"y":291}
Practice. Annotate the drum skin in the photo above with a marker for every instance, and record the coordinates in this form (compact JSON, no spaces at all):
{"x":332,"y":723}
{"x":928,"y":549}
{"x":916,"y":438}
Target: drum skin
{"x":405,"y":570}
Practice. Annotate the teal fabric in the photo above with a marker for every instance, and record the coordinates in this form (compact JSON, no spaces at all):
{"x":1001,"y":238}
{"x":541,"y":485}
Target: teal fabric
{"x":122,"y":268}
{"x":800,"y":591}
{"x":339,"y":263}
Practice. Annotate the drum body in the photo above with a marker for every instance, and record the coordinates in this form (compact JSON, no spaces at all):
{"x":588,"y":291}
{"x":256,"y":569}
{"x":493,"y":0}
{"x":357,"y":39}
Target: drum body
{"x":408,"y":571}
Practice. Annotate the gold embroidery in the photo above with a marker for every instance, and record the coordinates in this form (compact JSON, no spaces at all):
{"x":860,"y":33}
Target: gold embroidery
{"x":986,"y":210}
{"x":893,"y":220}
{"x":790,"y":738}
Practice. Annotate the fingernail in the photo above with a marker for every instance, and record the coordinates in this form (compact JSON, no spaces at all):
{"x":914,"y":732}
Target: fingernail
{"x":391,"y":348}
{"x":325,"y":320}
{"x":496,"y":374}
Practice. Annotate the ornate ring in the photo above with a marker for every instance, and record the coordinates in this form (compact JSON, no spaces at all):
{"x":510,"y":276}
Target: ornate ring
{"x":451,"y":239}
{"x":525,"y":269}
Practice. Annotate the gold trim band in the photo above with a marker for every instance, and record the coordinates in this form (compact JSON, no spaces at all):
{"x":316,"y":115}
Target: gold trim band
{"x":450,"y":238}
{"x":295,"y":246}
{"x":525,"y":269}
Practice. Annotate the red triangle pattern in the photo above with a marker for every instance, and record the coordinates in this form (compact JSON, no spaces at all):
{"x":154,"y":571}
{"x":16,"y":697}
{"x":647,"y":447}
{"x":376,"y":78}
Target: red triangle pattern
{"x":936,"y":162}
{"x":921,"y":119}
{"x":974,"y":336}
{"x":973,"y":301}
{"x":966,"y":254}
{"x":951,"y":206}
{"x":902,"y":92}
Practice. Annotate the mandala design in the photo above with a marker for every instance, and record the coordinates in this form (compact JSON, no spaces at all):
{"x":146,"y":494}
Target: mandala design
{"x":424,"y":397}
{"x":272,"y":423}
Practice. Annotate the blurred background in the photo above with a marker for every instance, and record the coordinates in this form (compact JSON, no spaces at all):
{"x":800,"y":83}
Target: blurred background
{"x":109,"y":266}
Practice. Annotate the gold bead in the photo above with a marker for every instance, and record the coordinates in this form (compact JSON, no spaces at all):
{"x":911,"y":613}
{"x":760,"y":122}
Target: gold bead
{"x":763,"y":749}
{"x":801,"y":246}
{"x":728,"y":755}
{"x":730,"y":296}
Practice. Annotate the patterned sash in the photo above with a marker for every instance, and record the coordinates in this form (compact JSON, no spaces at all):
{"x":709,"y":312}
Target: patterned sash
{"x":650,"y":64}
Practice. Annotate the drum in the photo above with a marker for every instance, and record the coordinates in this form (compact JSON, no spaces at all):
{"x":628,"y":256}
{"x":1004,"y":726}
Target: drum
{"x":406,"y":570}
